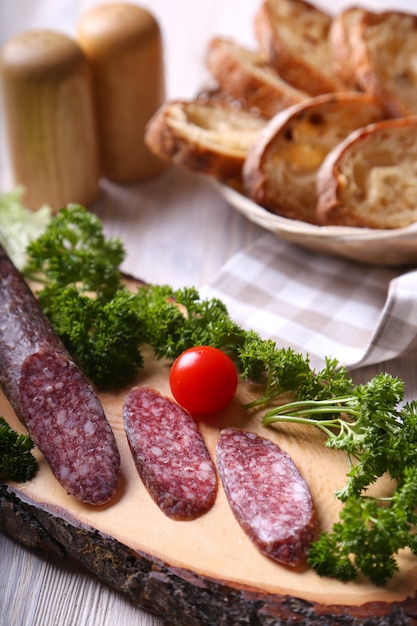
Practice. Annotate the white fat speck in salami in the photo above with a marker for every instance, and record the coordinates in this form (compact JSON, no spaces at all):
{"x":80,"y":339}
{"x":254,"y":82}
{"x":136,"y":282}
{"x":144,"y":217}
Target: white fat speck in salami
{"x":170,"y":454}
{"x":267,"y":494}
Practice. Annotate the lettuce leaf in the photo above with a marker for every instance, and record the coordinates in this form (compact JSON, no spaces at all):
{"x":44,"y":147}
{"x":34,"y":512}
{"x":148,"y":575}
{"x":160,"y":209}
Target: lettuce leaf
{"x":19,"y":225}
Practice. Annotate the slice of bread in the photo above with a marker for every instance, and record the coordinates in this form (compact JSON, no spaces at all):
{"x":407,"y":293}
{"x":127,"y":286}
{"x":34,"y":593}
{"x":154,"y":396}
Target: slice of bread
{"x":340,"y":36}
{"x":249,"y":77}
{"x":384,"y":53}
{"x":295,"y":36}
{"x":206,"y":137}
{"x":370,"y":179}
{"x":280,"y":169}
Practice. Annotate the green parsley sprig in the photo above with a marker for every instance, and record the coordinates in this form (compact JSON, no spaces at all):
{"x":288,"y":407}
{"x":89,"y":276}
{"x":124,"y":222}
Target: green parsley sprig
{"x":73,"y":251}
{"x":379,"y":435}
{"x":16,"y":459}
{"x":79,"y":285}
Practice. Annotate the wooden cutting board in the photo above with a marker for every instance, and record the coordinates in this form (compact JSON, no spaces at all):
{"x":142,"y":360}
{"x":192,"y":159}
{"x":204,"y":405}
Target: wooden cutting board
{"x":205,"y":571}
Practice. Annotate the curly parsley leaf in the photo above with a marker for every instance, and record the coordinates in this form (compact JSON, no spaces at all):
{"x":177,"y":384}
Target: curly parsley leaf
{"x":16,"y":459}
{"x":103,"y":337}
{"x":179,"y":319}
{"x":73,"y":251}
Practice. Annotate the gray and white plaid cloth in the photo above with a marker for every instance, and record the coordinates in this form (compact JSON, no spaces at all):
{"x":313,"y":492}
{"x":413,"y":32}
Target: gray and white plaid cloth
{"x":320,"y":305}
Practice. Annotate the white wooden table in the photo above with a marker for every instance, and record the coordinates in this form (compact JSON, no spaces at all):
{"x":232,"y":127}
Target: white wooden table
{"x":180,"y":233}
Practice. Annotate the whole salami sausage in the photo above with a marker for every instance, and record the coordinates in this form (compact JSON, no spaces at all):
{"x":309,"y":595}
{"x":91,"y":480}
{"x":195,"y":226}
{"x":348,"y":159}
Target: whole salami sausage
{"x":267,"y":495}
{"x":51,"y":396}
{"x":170,"y":454}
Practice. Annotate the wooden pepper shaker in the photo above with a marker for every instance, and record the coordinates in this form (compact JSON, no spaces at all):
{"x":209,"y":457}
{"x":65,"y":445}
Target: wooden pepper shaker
{"x":49,"y":114}
{"x":123,"y":44}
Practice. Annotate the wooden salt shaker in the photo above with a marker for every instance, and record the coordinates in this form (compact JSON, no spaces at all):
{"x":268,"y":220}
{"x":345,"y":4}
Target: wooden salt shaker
{"x":123,"y":44}
{"x":48,"y":104}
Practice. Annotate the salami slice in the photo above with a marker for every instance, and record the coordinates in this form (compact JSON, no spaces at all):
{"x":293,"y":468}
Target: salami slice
{"x":170,"y":454}
{"x":267,"y":495}
{"x":51,"y":396}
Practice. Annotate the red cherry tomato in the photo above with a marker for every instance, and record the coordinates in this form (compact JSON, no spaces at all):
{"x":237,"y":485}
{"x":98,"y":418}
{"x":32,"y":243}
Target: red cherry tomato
{"x":203,"y":380}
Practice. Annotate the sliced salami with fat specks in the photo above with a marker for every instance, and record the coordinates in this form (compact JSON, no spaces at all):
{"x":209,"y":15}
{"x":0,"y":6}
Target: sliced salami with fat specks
{"x":52,"y":397}
{"x":267,"y":495}
{"x":170,"y":454}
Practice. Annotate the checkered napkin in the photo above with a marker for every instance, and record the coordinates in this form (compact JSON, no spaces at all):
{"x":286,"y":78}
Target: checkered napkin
{"x":320,"y":305}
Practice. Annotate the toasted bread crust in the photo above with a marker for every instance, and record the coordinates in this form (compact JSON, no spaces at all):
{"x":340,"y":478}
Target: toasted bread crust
{"x":248,"y":76}
{"x":280,"y":169}
{"x":210,"y":137}
{"x":294,"y":35}
{"x":370,"y":179}
{"x":340,"y":40}
{"x":384,"y":47}
{"x":256,"y":129}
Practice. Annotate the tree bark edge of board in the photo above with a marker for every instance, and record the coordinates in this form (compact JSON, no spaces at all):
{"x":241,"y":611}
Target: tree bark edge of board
{"x":188,"y":599}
